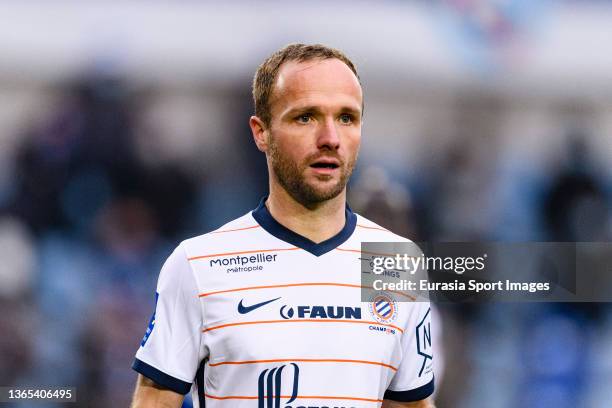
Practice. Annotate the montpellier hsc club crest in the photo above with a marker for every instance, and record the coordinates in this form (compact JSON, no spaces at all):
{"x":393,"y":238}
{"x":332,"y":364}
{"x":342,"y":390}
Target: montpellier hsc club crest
{"x":383,"y":308}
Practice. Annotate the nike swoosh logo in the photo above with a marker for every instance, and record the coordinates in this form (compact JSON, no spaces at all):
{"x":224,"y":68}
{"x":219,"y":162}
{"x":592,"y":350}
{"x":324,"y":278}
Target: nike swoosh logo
{"x":242,"y":309}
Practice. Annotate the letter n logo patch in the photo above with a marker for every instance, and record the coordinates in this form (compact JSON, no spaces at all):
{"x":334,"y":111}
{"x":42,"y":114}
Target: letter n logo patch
{"x":423,"y":335}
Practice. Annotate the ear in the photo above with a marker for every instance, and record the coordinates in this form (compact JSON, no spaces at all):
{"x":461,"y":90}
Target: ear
{"x":260,"y":133}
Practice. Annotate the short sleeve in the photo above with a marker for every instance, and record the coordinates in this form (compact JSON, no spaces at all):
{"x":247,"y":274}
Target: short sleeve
{"x":169,"y":353}
{"x":414,"y":379}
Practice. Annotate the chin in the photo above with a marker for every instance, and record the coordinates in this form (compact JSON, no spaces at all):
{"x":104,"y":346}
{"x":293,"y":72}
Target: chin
{"x":313,"y":195}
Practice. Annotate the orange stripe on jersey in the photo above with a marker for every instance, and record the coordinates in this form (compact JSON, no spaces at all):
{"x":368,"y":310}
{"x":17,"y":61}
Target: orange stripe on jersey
{"x":359,"y":251}
{"x":376,"y":228}
{"x":328,"y":397}
{"x":193,"y":258}
{"x":233,"y":397}
{"x":280,"y":286}
{"x":304,"y":360}
{"x":301,"y":321}
{"x":346,"y":285}
{"x":236,"y":229}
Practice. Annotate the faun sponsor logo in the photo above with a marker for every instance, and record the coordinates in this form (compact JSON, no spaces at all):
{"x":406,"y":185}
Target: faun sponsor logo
{"x":320,"y":312}
{"x":243,"y":263}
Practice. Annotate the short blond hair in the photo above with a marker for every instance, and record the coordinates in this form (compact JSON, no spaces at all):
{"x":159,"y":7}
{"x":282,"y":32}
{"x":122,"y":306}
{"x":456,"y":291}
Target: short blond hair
{"x":265,"y":77}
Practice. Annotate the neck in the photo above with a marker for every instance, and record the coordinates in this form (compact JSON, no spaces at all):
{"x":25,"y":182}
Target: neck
{"x":317,"y":223}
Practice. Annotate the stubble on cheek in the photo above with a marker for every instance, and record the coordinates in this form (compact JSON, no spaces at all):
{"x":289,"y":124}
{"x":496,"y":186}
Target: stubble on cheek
{"x":291,"y":176}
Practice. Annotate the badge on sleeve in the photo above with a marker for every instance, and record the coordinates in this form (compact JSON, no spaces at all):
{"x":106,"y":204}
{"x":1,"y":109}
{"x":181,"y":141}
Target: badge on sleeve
{"x":424,"y":348}
{"x":151,"y":323}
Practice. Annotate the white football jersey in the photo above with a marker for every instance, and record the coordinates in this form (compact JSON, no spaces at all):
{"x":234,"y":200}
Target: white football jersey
{"x":255,"y":315}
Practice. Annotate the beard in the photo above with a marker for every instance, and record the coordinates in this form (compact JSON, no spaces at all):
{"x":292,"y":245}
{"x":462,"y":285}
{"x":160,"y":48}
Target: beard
{"x":291,"y":176}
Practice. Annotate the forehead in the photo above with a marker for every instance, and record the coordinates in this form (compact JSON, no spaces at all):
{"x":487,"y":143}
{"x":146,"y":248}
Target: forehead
{"x":320,"y":82}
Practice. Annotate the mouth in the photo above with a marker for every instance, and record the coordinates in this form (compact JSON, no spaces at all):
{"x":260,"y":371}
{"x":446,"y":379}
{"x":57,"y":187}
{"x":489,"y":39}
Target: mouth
{"x":325,"y":169}
{"x":325,"y":164}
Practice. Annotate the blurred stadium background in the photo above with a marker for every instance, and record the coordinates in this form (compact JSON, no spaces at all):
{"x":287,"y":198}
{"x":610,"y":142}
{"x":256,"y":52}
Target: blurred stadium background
{"x":123,"y":130}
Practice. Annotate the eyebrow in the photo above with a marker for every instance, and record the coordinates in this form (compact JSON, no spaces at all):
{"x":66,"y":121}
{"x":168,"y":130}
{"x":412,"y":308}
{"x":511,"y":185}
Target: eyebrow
{"x":314,"y":108}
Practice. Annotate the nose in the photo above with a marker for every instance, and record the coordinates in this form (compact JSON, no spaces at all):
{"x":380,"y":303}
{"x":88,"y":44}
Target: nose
{"x":328,"y":137}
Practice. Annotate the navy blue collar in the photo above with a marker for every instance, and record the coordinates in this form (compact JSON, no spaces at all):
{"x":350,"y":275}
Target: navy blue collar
{"x":267,"y":222}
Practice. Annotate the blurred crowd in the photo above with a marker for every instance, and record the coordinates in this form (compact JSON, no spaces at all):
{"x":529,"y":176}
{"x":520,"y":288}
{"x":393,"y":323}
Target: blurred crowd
{"x":99,"y":188}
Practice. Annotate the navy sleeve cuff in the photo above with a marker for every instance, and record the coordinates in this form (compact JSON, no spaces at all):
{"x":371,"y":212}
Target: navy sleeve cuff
{"x":416,"y":394}
{"x":161,"y":378}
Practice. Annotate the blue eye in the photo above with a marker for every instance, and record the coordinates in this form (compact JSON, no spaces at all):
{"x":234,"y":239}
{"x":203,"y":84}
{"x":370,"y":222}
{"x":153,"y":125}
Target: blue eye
{"x":345,"y":118}
{"x":304,"y":118}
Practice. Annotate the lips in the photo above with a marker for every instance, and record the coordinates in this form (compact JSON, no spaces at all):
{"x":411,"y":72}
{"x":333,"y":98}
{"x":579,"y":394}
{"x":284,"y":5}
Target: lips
{"x":330,"y":164}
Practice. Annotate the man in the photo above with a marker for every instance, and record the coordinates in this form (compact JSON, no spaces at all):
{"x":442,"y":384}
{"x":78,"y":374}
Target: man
{"x":266,"y":311}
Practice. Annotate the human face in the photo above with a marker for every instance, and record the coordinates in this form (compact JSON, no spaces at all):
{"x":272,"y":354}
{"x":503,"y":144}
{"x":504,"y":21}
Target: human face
{"x":315,"y":131}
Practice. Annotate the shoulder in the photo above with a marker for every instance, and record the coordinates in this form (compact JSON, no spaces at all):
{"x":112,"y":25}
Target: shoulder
{"x":232,"y":236}
{"x":367,"y":230}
